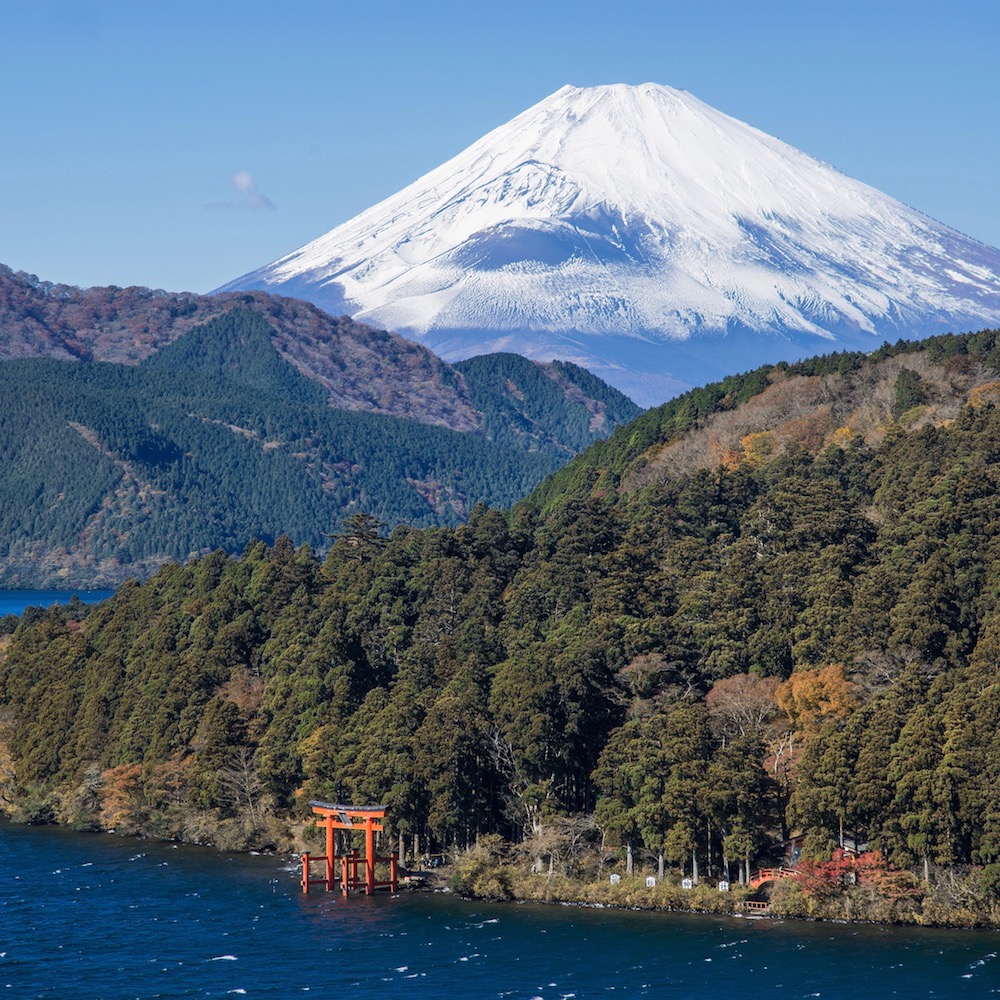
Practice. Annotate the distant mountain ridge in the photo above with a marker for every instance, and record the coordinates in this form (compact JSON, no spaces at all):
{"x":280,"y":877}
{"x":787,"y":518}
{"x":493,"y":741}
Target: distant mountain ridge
{"x":213,"y":421}
{"x":107,"y":471}
{"x":648,"y":237}
{"x":359,"y":367}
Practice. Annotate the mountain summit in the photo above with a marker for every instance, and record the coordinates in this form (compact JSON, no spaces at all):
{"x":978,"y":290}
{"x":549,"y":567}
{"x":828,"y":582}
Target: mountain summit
{"x":645,"y":235}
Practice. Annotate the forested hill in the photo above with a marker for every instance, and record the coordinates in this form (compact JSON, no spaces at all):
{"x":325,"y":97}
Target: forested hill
{"x":696,"y":656}
{"x":216,"y":438}
{"x":87,"y":500}
{"x":845,"y":399}
{"x":359,"y":368}
{"x":556,"y":407}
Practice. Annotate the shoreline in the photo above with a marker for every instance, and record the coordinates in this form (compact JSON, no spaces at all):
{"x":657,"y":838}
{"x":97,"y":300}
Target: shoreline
{"x":786,"y":900}
{"x":729,"y":914}
{"x":468,"y":878}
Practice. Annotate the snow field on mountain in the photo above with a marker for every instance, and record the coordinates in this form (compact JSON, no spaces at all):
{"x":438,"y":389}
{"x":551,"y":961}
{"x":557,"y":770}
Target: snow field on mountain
{"x":641,"y":212}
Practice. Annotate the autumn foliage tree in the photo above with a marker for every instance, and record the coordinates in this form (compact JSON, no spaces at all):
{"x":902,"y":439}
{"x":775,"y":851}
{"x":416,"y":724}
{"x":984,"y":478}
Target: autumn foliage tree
{"x":812,"y":696}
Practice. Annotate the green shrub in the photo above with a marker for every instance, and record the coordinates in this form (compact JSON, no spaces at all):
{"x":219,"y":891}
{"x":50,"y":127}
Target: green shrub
{"x":481,"y":872}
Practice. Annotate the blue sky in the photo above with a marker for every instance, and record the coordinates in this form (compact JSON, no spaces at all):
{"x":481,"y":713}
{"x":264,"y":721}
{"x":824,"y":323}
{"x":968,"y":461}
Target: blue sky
{"x":179,"y":144}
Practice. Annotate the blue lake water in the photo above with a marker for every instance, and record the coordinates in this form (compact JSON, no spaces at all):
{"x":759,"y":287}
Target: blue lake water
{"x":98,"y":916}
{"x":13,"y":602}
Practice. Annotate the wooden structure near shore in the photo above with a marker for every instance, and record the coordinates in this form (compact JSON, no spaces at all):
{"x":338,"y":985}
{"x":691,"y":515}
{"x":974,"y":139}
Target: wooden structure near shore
{"x":770,"y":875}
{"x":759,"y":878}
{"x":339,"y":817}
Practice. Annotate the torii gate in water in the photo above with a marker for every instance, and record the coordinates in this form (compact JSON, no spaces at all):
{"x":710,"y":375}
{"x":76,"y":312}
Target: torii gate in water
{"x":340,"y":817}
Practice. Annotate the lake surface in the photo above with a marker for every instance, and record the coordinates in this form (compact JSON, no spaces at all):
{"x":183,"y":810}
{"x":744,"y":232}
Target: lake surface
{"x":98,"y":916}
{"x":13,"y":602}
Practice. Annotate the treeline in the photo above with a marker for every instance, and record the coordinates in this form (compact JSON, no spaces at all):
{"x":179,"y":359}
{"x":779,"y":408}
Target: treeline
{"x":805,"y":646}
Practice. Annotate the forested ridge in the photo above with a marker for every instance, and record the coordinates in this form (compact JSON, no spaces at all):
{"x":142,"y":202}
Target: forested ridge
{"x":557,"y":407}
{"x":106,"y":470}
{"x":766,"y":610}
{"x":358,"y":367}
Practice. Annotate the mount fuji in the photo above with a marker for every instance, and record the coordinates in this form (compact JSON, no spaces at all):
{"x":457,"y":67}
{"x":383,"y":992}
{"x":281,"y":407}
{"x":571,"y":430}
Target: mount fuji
{"x":640,"y":233}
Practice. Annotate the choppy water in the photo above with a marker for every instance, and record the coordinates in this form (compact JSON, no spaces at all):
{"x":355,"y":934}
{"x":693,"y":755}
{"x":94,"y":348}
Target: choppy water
{"x":97,"y":916}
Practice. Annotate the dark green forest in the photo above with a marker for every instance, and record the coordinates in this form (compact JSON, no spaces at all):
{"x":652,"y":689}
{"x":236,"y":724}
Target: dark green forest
{"x":215,"y":439}
{"x":559,"y":407}
{"x":695,"y":666}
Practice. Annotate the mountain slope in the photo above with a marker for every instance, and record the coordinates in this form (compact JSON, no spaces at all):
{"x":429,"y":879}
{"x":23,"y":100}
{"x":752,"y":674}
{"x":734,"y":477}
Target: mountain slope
{"x":108,"y":470}
{"x":640,"y":233}
{"x":556,"y":407}
{"x":823,"y":405}
{"x":358,"y":367}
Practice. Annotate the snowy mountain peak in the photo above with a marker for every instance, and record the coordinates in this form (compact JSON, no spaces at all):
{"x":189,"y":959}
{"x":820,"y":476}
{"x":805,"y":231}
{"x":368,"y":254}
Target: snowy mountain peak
{"x":639,"y":232}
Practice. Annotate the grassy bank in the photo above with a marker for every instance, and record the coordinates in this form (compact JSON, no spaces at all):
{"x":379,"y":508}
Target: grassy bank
{"x":953,"y":898}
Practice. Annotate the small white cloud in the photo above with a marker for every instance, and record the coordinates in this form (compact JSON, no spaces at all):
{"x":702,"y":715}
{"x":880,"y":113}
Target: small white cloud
{"x":244,"y":183}
{"x":247,"y":187}
{"x":248,"y":194}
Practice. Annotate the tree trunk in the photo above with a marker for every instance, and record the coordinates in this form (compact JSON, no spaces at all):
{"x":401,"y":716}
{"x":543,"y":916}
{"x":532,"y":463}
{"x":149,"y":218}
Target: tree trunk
{"x":628,"y":859}
{"x":694,"y":865}
{"x":659,"y":865}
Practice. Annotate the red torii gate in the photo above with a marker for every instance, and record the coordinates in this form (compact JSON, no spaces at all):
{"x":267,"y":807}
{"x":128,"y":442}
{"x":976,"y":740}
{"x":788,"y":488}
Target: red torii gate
{"x":339,"y":817}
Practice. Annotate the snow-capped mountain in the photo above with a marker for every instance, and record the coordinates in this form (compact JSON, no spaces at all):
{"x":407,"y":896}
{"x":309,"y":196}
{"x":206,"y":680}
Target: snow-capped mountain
{"x":645,"y":235}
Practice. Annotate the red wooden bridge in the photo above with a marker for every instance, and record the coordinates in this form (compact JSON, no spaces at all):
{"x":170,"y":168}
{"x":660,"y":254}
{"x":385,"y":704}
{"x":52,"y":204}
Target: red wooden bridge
{"x":757,"y":879}
{"x":762,"y":875}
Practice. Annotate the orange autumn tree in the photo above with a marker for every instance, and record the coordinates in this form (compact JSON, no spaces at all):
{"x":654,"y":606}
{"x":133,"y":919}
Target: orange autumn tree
{"x":122,"y":798}
{"x":811,"y":697}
